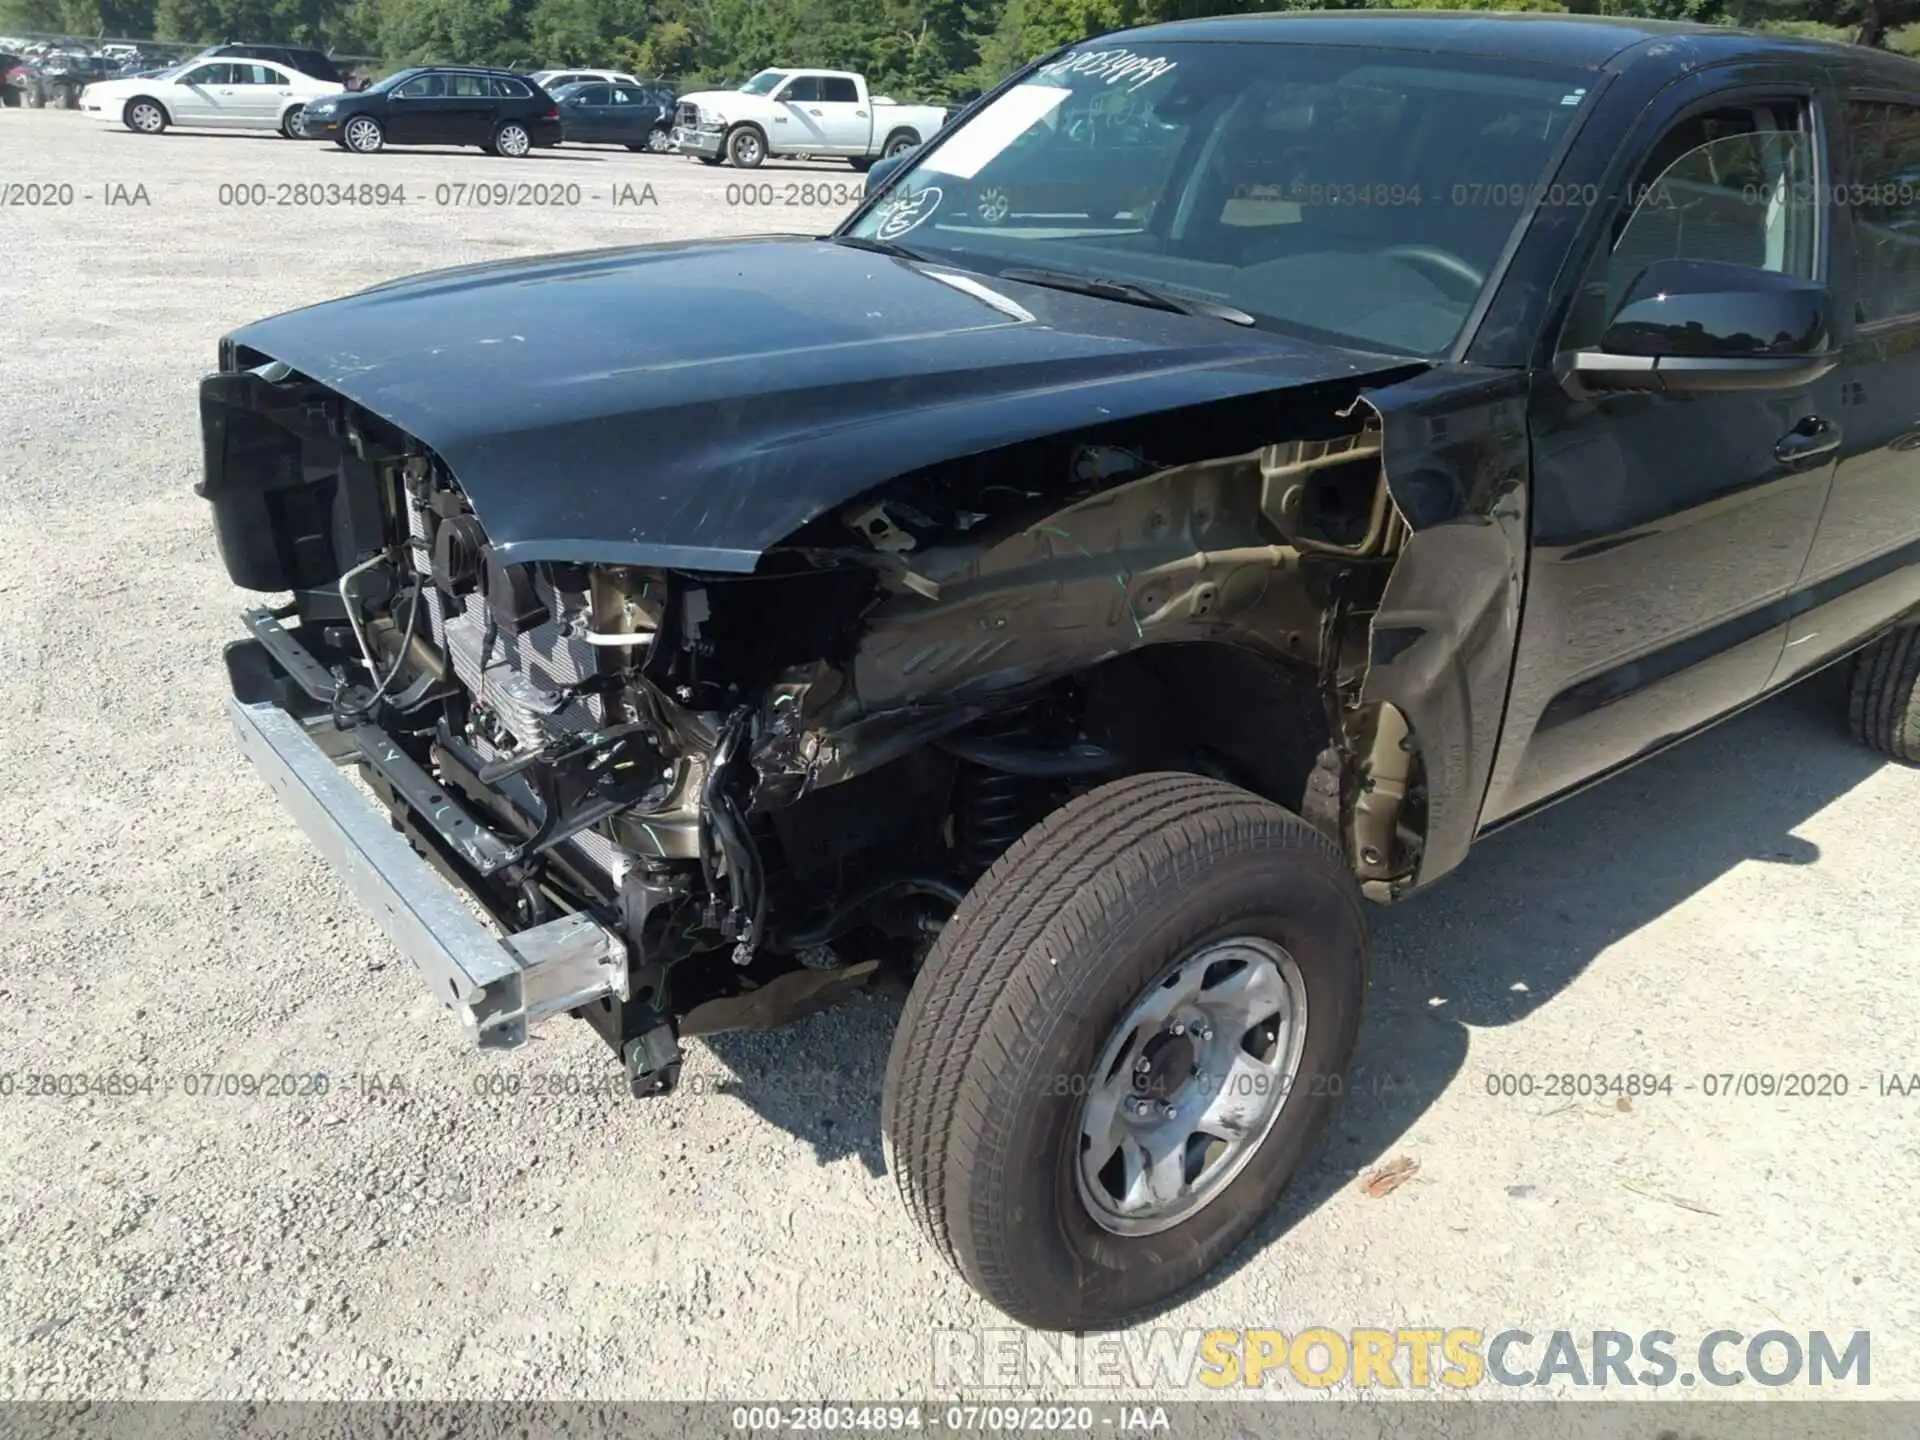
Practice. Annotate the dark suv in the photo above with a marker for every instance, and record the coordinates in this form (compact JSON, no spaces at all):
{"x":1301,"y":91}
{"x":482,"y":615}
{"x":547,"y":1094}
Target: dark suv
{"x":295,"y":57}
{"x":501,"y":112}
{"x":1076,"y":622}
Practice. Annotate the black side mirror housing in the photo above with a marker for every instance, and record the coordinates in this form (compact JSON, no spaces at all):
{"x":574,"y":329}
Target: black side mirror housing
{"x":1702,"y":325}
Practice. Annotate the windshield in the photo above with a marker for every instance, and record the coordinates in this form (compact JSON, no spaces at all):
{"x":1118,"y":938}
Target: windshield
{"x":763,"y":83}
{"x":381,"y":86}
{"x":1360,"y":195}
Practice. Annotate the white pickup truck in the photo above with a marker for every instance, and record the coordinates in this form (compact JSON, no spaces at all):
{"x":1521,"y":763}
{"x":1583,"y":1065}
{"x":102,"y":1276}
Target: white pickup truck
{"x":799,"y":112}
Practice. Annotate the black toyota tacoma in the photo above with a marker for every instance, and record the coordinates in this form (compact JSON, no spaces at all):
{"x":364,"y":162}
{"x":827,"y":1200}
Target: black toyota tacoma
{"x":1073,"y":617}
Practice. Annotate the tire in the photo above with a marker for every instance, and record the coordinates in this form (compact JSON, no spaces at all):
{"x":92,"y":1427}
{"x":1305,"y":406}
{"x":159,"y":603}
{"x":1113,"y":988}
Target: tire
{"x":144,"y":116}
{"x":637,"y":148}
{"x":511,"y":140}
{"x":1016,"y":1022}
{"x":1884,"y":700}
{"x":899,"y":143}
{"x":290,"y":122}
{"x":364,"y":135}
{"x":746,"y":147}
{"x":659,"y":141}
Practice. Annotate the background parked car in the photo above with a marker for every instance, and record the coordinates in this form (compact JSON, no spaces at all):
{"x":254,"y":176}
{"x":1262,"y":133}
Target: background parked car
{"x":552,"y":80}
{"x":639,"y":117}
{"x":501,"y":112}
{"x":302,"y":59}
{"x":210,"y":94}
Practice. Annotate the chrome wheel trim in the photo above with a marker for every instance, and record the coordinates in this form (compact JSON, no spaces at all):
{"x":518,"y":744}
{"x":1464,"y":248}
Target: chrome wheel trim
{"x":1189,"y":1085}
{"x":146,"y":117}
{"x":292,"y":123}
{"x":513,"y":140}
{"x":659,"y":142}
{"x":363,"y":134}
{"x":901,"y":146}
{"x":746,"y":149}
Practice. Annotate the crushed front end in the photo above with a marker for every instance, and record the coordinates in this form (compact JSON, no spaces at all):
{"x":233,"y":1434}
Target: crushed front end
{"x":674,"y":800}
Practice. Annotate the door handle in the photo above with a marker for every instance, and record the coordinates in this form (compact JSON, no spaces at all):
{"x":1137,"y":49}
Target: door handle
{"x":1811,"y":437}
{"x":860,"y":114}
{"x":813,"y":112}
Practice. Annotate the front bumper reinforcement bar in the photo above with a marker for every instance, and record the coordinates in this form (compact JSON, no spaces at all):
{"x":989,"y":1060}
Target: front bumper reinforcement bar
{"x":499,"y":985}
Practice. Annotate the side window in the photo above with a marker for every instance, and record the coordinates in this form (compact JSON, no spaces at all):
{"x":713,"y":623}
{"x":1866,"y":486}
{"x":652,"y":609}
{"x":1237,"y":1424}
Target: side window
{"x":839,"y":90}
{"x":616,"y":95}
{"x":593,"y":95}
{"x":257,"y":75}
{"x":1885,"y":140}
{"x":803,"y":91}
{"x":468,"y":87}
{"x":1734,"y":186}
{"x":208,"y":75}
{"x":427,"y":87}
{"x":508,"y":89}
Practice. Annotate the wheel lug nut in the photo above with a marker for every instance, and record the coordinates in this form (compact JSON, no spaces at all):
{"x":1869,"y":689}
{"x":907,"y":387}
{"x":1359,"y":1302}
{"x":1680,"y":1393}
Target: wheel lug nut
{"x":1168,"y":1110}
{"x":1142,"y":1065}
{"x":1178,"y":1028}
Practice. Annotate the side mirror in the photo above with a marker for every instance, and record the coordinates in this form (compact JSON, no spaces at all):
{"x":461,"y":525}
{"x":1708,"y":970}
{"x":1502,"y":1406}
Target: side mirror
{"x":1688,"y":326}
{"x":882,"y":169}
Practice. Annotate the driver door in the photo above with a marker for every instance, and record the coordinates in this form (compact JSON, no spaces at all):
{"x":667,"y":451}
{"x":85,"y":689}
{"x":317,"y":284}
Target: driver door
{"x":1669,"y":530}
{"x":203,"y":94}
{"x":415,"y":112}
{"x":797,"y":123}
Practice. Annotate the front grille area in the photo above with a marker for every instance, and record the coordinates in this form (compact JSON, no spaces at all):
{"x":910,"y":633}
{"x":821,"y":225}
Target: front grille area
{"x":687,"y":116}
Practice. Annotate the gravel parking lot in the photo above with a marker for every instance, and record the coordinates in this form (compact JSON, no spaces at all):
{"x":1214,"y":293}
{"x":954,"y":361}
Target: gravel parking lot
{"x":440,"y":1223}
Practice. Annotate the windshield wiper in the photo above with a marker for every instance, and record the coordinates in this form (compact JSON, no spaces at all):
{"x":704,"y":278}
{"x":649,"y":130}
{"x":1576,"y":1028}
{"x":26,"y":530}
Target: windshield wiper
{"x":1127,"y":292}
{"x":878,"y":247}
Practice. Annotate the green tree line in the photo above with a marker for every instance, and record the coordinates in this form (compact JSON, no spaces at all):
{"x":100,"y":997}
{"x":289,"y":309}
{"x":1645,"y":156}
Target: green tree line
{"x":939,"y":49}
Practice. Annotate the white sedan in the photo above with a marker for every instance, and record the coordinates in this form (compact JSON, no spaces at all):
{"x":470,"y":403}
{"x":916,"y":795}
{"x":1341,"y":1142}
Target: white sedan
{"x":208,"y":94}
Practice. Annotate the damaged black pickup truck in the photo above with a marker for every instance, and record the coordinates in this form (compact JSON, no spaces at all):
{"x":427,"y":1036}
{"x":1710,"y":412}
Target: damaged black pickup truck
{"x":1071,"y":615}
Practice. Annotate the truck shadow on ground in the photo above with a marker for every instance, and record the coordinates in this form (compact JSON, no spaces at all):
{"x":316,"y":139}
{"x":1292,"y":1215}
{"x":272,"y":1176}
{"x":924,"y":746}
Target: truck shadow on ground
{"x":1526,"y":914}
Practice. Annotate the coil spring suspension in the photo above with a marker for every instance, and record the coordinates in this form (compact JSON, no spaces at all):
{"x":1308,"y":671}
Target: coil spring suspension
{"x":992,"y":807}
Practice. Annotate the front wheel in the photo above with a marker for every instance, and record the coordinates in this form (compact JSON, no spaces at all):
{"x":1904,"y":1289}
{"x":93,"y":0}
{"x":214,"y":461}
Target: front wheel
{"x":290,"y":122}
{"x":1123,"y":1047}
{"x":659,"y":141}
{"x":899,"y":143}
{"x":364,"y":135}
{"x":144,"y":117}
{"x":1884,"y":699}
{"x":746,"y":147}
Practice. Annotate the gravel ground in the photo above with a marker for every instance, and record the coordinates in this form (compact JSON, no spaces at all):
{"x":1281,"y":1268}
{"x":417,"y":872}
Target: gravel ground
{"x":1746,"y":905}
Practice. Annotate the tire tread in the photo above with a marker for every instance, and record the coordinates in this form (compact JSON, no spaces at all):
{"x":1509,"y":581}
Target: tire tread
{"x":1883,"y":703}
{"x":965,"y":1030}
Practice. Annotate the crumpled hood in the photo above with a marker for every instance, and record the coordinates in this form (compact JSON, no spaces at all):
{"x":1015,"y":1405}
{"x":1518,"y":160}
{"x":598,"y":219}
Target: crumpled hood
{"x":693,"y":404}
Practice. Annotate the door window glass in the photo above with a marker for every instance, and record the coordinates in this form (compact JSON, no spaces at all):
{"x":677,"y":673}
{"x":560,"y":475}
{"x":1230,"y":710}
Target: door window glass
{"x":1885,"y":140}
{"x":803,"y":91}
{"x":468,"y":87}
{"x":839,"y":90}
{"x":510,"y":89}
{"x":593,"y":95}
{"x":617,"y":96}
{"x":1734,"y":186}
{"x":427,"y":87}
{"x":209,"y":75}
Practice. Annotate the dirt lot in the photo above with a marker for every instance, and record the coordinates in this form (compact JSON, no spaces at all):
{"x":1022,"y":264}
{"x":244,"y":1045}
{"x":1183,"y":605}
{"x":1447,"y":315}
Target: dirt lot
{"x":446,"y":1224}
